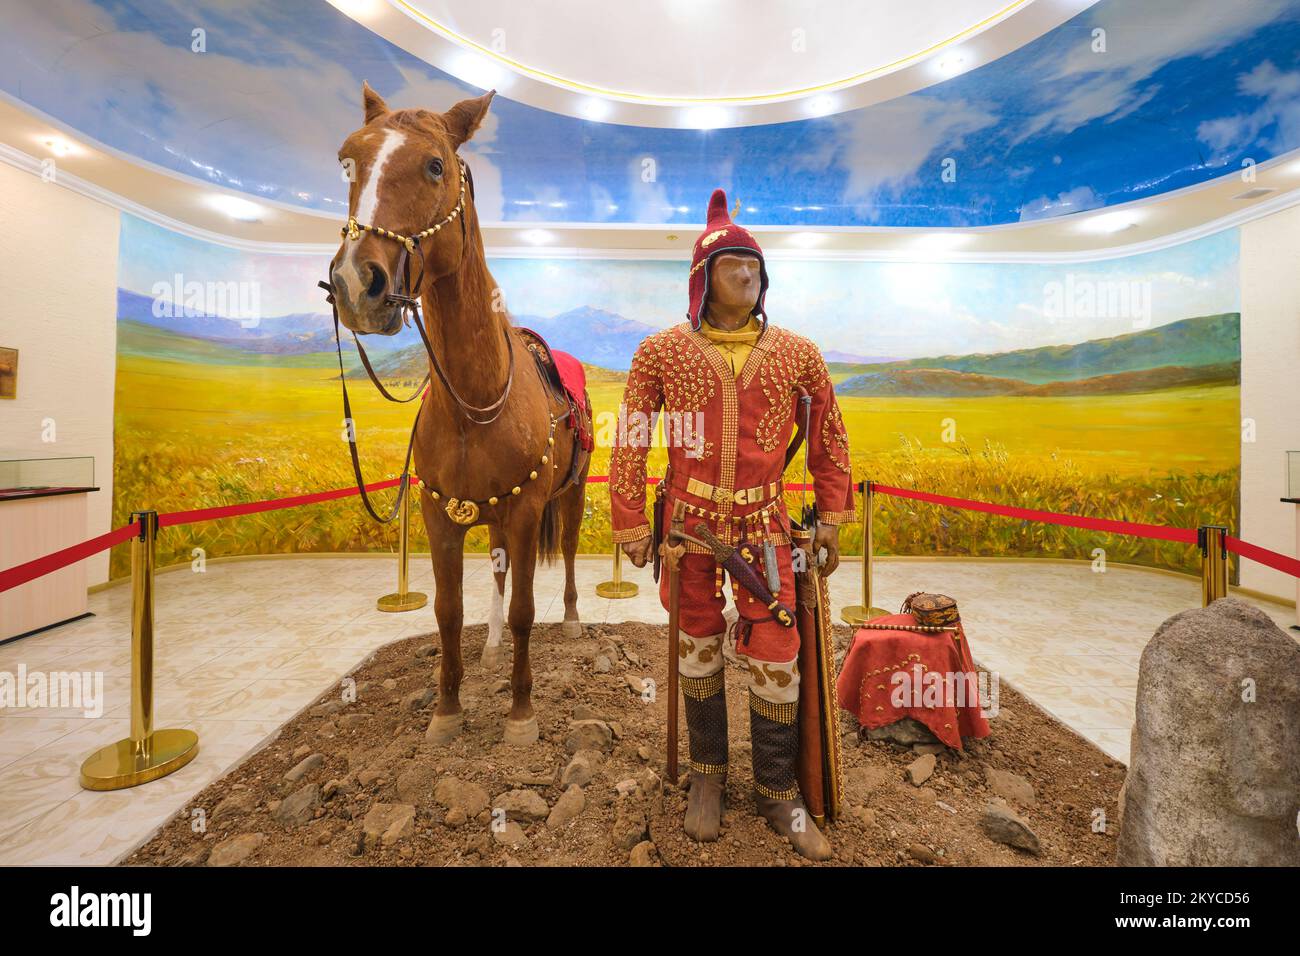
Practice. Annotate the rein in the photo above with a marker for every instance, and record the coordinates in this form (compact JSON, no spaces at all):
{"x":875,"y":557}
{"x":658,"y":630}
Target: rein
{"x":407,"y":299}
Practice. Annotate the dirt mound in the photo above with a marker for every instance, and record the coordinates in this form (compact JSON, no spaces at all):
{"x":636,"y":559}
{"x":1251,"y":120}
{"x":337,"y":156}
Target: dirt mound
{"x":353,"y":782}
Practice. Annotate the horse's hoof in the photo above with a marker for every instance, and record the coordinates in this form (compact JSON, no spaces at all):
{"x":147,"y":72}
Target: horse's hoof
{"x":521,"y":733}
{"x":493,"y":655}
{"x":572,"y":630}
{"x":444,"y":728}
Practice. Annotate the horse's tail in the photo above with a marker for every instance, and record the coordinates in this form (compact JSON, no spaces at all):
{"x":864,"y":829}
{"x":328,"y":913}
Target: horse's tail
{"x":548,"y":540}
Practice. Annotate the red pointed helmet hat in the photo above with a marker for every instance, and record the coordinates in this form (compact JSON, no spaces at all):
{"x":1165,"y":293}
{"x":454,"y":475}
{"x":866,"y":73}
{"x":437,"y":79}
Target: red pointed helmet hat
{"x":721,"y":235}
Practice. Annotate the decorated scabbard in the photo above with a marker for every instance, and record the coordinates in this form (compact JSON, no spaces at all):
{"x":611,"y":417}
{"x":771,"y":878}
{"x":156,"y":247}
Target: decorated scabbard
{"x":743,"y":574}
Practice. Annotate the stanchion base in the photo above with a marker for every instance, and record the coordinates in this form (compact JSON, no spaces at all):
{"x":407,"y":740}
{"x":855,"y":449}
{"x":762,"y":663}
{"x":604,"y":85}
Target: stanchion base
{"x":856,"y":614}
{"x":126,"y":764}
{"x":617,"y":589}
{"x":410,"y":601}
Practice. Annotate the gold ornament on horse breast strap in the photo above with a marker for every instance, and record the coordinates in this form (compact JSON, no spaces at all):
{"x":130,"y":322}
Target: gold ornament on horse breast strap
{"x":466,"y":511}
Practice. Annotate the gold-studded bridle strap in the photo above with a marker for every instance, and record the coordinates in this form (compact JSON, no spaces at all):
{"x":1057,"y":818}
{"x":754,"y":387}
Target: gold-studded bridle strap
{"x":353,"y":229}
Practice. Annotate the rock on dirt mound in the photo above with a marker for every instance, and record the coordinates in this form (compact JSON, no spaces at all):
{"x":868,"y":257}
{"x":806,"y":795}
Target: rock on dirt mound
{"x":589,"y":790}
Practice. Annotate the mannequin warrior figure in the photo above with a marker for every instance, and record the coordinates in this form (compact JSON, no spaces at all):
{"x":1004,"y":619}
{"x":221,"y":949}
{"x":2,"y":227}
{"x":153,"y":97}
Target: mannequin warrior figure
{"x":735,"y":375}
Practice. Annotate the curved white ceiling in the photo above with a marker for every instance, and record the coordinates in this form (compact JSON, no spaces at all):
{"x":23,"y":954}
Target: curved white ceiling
{"x":720,"y":63}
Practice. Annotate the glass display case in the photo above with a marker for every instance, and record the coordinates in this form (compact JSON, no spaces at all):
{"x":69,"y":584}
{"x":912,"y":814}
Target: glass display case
{"x":33,"y":477}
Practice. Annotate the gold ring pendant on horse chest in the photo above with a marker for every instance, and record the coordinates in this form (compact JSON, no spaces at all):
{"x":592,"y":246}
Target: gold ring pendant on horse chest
{"x":461,"y":512}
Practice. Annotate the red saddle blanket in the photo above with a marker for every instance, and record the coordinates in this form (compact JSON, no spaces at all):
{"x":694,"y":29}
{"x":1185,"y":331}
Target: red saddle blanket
{"x":889,"y":675}
{"x":572,"y":378}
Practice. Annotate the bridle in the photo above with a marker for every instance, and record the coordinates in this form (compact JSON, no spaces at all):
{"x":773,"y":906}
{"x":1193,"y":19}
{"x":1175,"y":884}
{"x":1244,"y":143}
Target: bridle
{"x":406,"y":297}
{"x":353,"y":229}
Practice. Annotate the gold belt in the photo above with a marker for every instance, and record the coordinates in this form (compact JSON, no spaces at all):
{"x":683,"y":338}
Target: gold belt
{"x":742,"y":496}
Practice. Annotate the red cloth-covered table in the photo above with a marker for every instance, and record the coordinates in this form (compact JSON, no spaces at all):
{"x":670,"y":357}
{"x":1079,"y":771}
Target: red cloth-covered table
{"x":889,"y":675}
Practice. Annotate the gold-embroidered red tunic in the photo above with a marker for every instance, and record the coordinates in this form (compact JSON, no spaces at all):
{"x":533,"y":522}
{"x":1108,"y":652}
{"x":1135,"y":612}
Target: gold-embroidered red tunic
{"x":735,"y":430}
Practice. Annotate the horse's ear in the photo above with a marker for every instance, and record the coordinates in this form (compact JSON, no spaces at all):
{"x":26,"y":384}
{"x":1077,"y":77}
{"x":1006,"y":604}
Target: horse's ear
{"x":464,"y":118}
{"x":374,"y":103}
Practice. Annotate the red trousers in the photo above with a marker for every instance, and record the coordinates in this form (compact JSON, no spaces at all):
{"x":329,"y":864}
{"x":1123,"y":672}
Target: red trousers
{"x":702,"y":605}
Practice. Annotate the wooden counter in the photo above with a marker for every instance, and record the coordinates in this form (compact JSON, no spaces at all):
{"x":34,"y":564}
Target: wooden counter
{"x":33,"y":523}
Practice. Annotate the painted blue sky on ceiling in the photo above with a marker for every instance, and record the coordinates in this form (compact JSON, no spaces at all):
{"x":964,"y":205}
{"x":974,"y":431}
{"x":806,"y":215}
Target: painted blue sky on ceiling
{"x":1185,"y":91}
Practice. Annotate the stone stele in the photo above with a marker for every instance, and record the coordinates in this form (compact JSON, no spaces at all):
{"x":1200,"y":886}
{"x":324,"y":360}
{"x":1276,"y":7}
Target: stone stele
{"x":1214,"y":773}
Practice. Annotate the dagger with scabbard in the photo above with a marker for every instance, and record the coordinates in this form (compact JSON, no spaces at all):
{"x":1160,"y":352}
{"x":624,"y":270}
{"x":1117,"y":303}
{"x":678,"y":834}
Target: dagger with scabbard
{"x":736,"y":563}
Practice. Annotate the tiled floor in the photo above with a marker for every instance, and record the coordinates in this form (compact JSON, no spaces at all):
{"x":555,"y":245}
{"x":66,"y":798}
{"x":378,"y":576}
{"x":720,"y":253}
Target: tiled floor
{"x":246,"y":645}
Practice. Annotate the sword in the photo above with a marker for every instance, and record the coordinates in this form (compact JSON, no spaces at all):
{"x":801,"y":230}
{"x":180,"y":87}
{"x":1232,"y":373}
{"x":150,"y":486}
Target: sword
{"x":743,"y":574}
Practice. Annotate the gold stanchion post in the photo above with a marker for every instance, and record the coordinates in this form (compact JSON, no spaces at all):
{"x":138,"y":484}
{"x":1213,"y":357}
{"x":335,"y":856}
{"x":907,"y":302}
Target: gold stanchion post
{"x":617,"y":587}
{"x":1214,"y":562}
{"x":856,"y":614}
{"x":147,"y":754}
{"x":402,"y":599}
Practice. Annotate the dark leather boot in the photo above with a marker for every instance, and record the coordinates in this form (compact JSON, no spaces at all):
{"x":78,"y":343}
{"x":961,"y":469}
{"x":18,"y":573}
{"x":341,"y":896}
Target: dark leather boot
{"x":706,"y":719}
{"x":774,"y":733}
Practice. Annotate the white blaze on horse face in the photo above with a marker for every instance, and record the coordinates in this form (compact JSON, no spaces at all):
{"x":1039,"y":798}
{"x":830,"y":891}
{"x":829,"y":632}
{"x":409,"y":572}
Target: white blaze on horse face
{"x":367,"y":206}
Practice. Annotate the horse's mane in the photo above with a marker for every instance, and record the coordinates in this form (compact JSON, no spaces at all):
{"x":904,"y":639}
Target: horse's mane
{"x":422,"y":121}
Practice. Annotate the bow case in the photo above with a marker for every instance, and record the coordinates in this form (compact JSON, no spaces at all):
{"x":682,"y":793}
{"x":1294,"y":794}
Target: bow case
{"x":821,"y":779}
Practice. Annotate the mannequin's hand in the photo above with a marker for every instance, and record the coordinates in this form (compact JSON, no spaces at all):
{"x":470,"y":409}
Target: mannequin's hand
{"x":828,"y":537}
{"x":639,"y":552}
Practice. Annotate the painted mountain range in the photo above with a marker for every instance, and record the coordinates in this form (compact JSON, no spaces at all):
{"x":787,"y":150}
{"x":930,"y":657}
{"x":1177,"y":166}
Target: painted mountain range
{"x":595,"y":337}
{"x":1200,"y":351}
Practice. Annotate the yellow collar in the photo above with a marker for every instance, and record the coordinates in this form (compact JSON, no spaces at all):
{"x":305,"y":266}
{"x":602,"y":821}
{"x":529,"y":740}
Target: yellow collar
{"x":746,"y":334}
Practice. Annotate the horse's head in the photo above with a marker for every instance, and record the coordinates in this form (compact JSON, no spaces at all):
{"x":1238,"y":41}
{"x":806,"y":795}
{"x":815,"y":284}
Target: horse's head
{"x":405,"y":181}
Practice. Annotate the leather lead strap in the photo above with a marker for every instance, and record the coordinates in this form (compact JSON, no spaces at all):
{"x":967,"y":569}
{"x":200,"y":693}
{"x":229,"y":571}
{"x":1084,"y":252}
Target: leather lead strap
{"x":352,"y":432}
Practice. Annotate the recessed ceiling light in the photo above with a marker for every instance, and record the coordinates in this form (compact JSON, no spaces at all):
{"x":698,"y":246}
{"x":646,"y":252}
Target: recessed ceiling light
{"x":1109,"y":222}
{"x":950,"y":64}
{"x":538,"y":237}
{"x":59,"y":146}
{"x":704,"y":117}
{"x":595,"y":109}
{"x":807,"y":240}
{"x":821,"y":105}
{"x":235,"y":207}
{"x":479,"y":71}
{"x":942,"y":241}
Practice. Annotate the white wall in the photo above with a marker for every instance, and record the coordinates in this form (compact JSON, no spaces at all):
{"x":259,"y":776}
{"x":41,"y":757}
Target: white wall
{"x":58,"y":279}
{"x":1270,"y":388}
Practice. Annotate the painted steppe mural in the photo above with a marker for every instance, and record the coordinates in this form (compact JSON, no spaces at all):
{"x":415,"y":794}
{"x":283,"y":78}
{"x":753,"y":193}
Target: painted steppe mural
{"x":1107,"y":388}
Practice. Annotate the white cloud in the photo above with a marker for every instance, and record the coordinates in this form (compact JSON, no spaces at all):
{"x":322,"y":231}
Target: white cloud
{"x":232,"y":100}
{"x":1084,"y":85}
{"x":1063,"y":204}
{"x":886,"y":148}
{"x":1227,"y":135}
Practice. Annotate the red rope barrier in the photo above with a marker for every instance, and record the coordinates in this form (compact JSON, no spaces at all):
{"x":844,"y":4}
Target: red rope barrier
{"x":172,"y":518}
{"x":22,"y":573}
{"x":1254,"y":552}
{"x":1161,"y":532}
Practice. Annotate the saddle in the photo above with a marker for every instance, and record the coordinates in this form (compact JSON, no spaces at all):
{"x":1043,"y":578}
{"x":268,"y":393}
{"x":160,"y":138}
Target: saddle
{"x":567,"y":380}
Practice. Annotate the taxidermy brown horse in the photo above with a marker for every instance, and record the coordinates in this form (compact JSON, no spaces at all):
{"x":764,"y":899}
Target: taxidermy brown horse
{"x":496,"y":442}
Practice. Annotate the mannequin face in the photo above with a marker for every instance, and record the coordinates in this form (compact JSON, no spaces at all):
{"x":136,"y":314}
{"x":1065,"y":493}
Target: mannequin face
{"x":734,"y":280}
